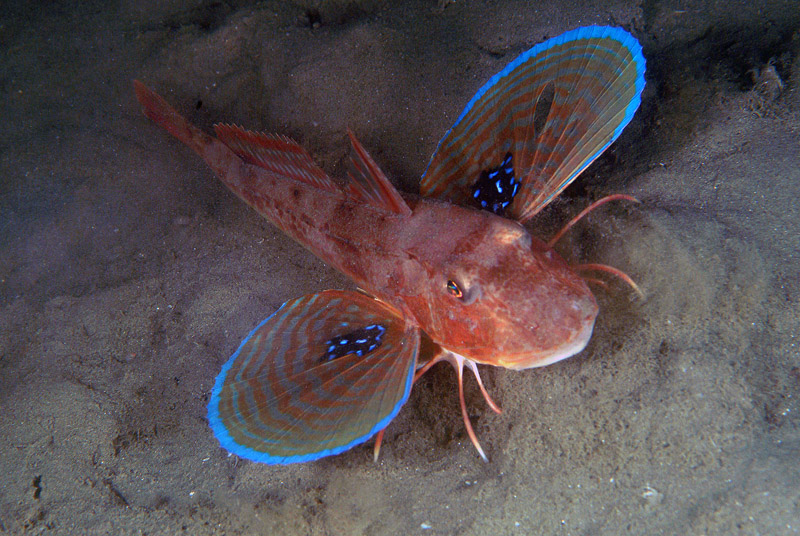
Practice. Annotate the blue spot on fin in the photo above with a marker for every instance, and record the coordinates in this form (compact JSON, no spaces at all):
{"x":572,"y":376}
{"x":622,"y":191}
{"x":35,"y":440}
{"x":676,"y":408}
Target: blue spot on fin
{"x":359,"y":342}
{"x":496,"y":187}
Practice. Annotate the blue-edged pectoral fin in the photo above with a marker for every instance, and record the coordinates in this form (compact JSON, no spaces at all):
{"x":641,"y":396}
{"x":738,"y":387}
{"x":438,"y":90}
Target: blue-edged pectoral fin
{"x":326,"y":372}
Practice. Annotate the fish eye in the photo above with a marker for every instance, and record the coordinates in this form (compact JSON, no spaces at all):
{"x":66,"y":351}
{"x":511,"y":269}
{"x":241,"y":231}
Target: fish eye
{"x":454,"y":289}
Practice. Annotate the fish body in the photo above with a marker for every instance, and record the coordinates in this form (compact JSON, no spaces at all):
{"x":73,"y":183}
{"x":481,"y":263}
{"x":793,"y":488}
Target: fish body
{"x":406,"y":259}
{"x":439,"y":278}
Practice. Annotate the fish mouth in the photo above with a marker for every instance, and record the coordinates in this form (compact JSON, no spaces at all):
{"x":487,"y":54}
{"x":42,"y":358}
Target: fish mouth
{"x":541,"y":359}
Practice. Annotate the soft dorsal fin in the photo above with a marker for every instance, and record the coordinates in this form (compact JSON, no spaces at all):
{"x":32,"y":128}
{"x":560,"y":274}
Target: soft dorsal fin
{"x":368,"y":183}
{"x":275,"y":153}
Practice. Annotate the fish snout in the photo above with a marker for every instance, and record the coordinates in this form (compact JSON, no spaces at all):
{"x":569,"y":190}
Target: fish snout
{"x":554,"y":327}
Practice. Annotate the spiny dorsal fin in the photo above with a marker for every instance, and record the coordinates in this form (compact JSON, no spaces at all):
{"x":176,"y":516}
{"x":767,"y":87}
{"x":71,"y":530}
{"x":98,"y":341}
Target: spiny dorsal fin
{"x":368,"y":183}
{"x":275,"y":153}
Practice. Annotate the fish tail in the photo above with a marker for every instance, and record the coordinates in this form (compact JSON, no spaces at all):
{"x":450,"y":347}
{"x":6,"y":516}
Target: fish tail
{"x":213,"y":151}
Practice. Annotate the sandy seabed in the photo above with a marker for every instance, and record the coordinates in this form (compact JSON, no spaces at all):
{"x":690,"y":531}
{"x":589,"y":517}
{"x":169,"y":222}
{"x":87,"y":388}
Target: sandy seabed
{"x":128,"y":274}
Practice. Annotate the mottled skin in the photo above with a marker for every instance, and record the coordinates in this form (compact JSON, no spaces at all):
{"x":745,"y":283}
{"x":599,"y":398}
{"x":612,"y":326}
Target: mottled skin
{"x":521,"y":305}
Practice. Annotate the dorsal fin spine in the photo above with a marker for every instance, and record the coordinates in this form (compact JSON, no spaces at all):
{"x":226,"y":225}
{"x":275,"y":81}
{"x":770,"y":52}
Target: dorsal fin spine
{"x":370,"y":183}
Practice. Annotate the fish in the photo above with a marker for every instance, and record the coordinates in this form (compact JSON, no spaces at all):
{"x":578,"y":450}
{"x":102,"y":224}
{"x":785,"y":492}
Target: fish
{"x":450,"y":274}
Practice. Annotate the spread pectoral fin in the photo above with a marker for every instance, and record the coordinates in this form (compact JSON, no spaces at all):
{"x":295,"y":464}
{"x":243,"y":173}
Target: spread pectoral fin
{"x":324,"y":373}
{"x":538,"y":123}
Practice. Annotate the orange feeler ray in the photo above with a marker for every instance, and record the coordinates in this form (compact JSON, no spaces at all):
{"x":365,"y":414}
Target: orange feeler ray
{"x":587,"y":210}
{"x":613,"y":271}
{"x":458,"y":362}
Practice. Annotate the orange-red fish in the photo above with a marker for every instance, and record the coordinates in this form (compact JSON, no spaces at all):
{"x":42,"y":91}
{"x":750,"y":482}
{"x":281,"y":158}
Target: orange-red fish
{"x":450,"y":274}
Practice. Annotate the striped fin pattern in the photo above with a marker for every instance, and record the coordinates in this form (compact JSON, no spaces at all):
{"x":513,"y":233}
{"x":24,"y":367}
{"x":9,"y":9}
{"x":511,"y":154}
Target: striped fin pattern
{"x":554,"y":109}
{"x":275,"y":153}
{"x":324,"y":373}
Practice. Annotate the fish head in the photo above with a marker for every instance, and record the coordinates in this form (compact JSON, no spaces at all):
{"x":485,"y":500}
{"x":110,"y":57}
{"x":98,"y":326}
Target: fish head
{"x":505,"y":298}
